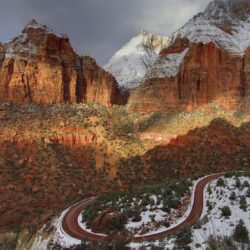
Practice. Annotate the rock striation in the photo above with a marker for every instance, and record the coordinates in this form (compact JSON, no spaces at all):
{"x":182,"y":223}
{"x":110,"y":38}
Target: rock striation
{"x":207,"y":60}
{"x":40,"y":66}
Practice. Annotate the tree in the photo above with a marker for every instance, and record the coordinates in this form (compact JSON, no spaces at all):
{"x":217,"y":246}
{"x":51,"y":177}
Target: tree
{"x":246,"y":184}
{"x":184,"y":236}
{"x":209,"y":205}
{"x":241,"y":233}
{"x":233,"y":196}
{"x":238,"y":183}
{"x":243,"y":203}
{"x":209,"y":190}
{"x":220,"y":183}
{"x":226,"y":212}
{"x":248,"y":192}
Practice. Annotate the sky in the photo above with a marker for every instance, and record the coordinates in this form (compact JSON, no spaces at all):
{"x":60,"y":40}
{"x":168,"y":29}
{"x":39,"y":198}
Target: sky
{"x":98,"y":27}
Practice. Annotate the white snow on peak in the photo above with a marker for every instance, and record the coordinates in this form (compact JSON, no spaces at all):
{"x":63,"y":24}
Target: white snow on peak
{"x":212,"y":25}
{"x":130,"y":64}
{"x":33,"y":24}
{"x":226,"y":23}
{"x":20,"y":47}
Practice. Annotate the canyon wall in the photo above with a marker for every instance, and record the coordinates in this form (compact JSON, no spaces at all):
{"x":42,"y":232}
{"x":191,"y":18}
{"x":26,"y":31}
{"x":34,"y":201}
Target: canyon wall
{"x":40,"y":66}
{"x":207,"y":74}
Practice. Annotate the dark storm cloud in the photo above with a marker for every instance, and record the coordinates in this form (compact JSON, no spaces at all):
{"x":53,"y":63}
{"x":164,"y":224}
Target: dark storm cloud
{"x":98,"y":27}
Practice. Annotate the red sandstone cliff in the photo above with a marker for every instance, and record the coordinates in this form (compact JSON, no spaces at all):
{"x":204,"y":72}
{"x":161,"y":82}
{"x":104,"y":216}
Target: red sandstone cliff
{"x":207,"y":74}
{"x":40,"y":66}
{"x":206,"y":60}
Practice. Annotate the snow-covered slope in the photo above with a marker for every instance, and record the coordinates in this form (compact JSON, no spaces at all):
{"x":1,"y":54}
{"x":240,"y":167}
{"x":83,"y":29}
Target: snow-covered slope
{"x":221,"y":24}
{"x":166,"y":65}
{"x":226,"y":23}
{"x":130,"y":64}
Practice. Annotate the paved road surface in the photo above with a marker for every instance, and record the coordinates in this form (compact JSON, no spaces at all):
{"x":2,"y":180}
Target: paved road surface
{"x":71,"y":227}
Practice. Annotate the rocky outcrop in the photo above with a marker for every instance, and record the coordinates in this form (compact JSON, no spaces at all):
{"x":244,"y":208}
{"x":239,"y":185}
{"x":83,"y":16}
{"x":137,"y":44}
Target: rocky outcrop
{"x":40,"y":66}
{"x":207,"y":74}
{"x":98,"y":85}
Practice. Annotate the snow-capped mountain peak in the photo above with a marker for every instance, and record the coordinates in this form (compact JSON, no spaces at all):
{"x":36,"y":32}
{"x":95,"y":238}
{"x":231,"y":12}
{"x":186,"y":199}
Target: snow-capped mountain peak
{"x":226,"y":23}
{"x":27,"y":43}
{"x":130,"y":64}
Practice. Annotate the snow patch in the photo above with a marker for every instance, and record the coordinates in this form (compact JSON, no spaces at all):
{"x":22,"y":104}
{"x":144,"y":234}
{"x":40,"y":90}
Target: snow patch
{"x":217,"y":224}
{"x":167,"y":65}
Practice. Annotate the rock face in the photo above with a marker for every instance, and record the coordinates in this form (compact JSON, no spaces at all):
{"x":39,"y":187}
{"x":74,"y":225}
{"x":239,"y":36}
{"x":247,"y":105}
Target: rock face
{"x":40,"y":66}
{"x":207,"y":74}
{"x":98,"y":85}
{"x":207,"y":60}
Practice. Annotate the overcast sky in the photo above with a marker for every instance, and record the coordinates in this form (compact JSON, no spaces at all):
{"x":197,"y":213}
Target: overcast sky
{"x":98,"y":27}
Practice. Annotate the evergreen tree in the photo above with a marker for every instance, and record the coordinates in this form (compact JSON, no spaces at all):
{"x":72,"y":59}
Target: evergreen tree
{"x":226,"y":212}
{"x":248,"y":192}
{"x":233,"y":196}
{"x":220,"y":183}
{"x":184,"y":236}
{"x":241,"y":233}
{"x":243,"y":203}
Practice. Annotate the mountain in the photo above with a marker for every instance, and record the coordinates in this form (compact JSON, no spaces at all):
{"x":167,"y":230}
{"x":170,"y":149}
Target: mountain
{"x":130,"y":64}
{"x":40,"y":66}
{"x":206,"y":60}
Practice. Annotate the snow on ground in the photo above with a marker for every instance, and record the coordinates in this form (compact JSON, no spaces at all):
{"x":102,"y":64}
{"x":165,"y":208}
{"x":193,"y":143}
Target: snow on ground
{"x":58,"y":236}
{"x":146,"y":226}
{"x":218,"y":225}
{"x":84,"y":226}
{"x":175,"y":217}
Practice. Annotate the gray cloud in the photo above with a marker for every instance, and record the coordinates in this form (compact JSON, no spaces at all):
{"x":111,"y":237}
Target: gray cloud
{"x":98,"y":27}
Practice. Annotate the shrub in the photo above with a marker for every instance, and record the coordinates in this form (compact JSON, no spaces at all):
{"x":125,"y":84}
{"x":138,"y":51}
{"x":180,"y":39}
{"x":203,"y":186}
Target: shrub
{"x":209,"y":190}
{"x":243,"y":203}
{"x":241,"y":233}
{"x":209,"y":205}
{"x":197,"y":224}
{"x":226,"y":212}
{"x":220,"y":243}
{"x":137,"y":216}
{"x":246,"y":184}
{"x":184,"y":236}
{"x":166,"y":224}
{"x":233,"y":196}
{"x":248,"y":192}
{"x":220,"y":183}
{"x":238,"y":183}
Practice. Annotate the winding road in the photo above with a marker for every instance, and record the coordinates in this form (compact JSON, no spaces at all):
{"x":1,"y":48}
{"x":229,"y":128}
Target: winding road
{"x":71,"y":226}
